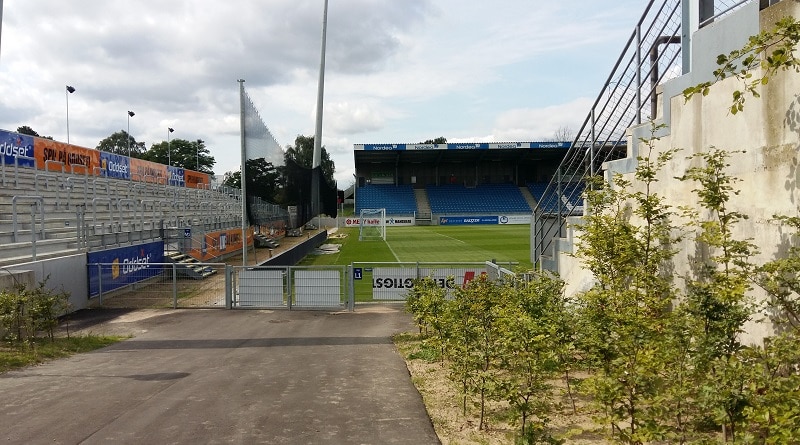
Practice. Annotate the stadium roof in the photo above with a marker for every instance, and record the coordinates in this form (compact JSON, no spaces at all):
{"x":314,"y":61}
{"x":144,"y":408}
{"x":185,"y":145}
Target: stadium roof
{"x":458,"y":152}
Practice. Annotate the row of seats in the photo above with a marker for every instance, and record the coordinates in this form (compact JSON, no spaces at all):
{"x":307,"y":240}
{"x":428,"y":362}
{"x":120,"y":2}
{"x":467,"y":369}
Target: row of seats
{"x":485,"y":198}
{"x":444,"y":199}
{"x":396,"y":199}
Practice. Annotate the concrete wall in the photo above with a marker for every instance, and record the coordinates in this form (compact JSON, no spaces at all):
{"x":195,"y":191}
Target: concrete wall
{"x":768,"y":131}
{"x":67,"y":273}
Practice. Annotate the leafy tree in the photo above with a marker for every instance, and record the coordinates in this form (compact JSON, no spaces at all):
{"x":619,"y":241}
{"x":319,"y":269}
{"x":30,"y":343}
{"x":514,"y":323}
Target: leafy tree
{"x":439,"y":140}
{"x":263,"y":179}
{"x":302,"y":154}
{"x":27,"y":130}
{"x":772,"y":50}
{"x":117,"y":143}
{"x":31,"y":132}
{"x":182,"y":153}
{"x":626,"y":242}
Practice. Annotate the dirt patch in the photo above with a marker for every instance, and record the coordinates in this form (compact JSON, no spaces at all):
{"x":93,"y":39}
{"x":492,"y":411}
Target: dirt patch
{"x":444,"y":405}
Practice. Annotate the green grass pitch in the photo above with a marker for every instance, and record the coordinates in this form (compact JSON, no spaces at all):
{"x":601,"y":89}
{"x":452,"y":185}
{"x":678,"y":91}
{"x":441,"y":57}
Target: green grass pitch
{"x":503,"y":243}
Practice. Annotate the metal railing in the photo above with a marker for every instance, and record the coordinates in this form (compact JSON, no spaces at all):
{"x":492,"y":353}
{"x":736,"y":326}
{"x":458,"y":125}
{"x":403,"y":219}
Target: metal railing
{"x":651,"y":55}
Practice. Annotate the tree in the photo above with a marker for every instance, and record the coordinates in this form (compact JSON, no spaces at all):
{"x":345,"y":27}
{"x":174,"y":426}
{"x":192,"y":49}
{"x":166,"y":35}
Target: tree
{"x":117,"y":143}
{"x":439,"y":140}
{"x":772,"y":50}
{"x":27,"y":130}
{"x":31,"y":132}
{"x":302,"y":153}
{"x":183,"y":153}
{"x":263,"y":179}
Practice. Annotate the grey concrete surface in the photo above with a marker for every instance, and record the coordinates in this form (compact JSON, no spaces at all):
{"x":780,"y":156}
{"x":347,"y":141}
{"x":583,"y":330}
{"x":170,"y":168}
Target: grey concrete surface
{"x":223,"y":377}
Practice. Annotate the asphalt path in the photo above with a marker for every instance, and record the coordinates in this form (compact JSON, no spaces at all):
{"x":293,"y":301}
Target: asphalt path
{"x":223,"y":377}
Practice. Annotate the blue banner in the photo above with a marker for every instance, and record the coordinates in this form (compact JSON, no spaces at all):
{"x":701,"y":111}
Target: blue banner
{"x":123,"y":266}
{"x":176,"y":176}
{"x":115,"y":166}
{"x":13,"y":145}
{"x":467,"y":220}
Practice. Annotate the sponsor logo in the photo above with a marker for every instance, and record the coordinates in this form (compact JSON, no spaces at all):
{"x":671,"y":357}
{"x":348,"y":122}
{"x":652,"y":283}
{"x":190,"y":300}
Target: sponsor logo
{"x":15,"y":149}
{"x":115,"y":167}
{"x":408,"y":283}
{"x":503,"y":220}
{"x":130,"y":265}
{"x":472,"y":220}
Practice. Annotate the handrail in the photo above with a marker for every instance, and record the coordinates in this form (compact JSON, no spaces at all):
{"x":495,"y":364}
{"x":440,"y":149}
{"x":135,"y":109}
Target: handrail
{"x":40,"y":202}
{"x":94,"y":210}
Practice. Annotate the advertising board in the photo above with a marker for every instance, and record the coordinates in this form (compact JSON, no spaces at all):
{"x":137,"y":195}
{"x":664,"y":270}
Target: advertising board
{"x":123,"y":265}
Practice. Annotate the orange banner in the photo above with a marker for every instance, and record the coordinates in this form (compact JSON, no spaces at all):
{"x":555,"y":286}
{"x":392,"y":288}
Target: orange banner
{"x":146,"y":171}
{"x":217,"y":244}
{"x":194,"y":178}
{"x":69,"y":158}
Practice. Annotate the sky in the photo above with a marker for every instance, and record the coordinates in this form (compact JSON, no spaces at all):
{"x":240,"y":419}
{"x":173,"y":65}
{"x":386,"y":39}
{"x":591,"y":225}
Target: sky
{"x":397,"y":71}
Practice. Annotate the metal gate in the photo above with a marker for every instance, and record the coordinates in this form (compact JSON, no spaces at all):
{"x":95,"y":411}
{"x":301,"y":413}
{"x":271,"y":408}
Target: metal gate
{"x":215,"y":285}
{"x":294,"y":287}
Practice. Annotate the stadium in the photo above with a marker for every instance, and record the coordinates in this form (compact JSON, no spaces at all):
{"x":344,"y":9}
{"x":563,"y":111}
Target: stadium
{"x":162,"y":234}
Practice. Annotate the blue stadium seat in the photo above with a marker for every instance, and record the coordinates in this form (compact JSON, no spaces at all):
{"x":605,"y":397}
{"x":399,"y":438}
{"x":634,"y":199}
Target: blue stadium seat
{"x":485,"y":198}
{"x":396,"y":199}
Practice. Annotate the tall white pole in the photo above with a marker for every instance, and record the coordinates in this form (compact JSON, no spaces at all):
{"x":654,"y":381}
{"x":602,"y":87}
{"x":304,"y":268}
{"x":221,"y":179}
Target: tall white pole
{"x":242,"y":175}
{"x":317,"y":158}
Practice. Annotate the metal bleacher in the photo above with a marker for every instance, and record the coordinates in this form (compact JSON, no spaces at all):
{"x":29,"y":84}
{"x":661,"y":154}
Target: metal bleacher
{"x":46,"y":214}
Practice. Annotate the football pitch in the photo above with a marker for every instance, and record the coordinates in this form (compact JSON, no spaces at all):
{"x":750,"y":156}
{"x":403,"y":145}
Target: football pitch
{"x":502,"y":243}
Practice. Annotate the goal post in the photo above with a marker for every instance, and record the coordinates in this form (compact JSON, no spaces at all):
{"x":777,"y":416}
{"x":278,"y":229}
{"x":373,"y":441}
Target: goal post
{"x":372,"y":224}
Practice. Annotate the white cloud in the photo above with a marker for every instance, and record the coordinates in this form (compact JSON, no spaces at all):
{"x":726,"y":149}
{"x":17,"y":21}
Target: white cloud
{"x":396,"y":70}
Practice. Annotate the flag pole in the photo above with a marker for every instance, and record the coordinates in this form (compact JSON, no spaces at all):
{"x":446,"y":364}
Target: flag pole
{"x":242,"y":175}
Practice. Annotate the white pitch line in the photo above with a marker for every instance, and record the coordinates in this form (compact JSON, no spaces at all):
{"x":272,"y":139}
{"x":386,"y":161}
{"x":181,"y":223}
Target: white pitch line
{"x":454,"y":239}
{"x":392,"y":250}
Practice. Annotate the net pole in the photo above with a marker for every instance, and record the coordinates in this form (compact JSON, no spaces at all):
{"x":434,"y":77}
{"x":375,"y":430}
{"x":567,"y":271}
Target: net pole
{"x":242,"y":175}
{"x":317,"y":158}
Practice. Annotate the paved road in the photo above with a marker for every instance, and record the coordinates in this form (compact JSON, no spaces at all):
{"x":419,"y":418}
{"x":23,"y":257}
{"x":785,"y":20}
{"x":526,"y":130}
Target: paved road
{"x":216,"y":376}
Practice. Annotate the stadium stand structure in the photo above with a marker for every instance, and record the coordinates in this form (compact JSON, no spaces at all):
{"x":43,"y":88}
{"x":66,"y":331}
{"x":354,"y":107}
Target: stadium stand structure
{"x":484,"y":198}
{"x":552,"y":200}
{"x":396,"y":199}
{"x":51,"y":214}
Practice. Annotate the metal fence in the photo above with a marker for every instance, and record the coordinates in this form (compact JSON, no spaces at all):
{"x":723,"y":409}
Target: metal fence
{"x":158,"y":285}
{"x":216,"y":285}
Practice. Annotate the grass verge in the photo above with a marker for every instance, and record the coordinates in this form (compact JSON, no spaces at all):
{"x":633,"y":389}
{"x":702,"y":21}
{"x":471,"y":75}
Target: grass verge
{"x":42,"y":350}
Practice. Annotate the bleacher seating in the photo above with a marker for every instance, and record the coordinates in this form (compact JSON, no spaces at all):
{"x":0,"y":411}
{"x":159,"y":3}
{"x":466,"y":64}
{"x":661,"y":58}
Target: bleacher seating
{"x":75,"y":213}
{"x":396,"y":199}
{"x":549,"y":201}
{"x":485,"y":198}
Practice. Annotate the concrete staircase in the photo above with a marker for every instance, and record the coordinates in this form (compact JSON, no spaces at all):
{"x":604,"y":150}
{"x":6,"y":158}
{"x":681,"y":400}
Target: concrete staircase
{"x":528,"y":197}
{"x":188,"y":267}
{"x":423,"y":205}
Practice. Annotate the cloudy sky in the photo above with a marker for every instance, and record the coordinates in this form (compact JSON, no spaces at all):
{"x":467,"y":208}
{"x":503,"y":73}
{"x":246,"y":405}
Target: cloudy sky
{"x":398,"y":71}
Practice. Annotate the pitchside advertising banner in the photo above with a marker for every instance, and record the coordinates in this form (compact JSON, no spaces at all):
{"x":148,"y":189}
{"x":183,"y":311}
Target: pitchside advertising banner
{"x":392,"y":283}
{"x":123,"y":266}
{"x":464,"y":146}
{"x":35,"y":152}
{"x":390,"y":221}
{"x":17,"y":147}
{"x":484,"y":220}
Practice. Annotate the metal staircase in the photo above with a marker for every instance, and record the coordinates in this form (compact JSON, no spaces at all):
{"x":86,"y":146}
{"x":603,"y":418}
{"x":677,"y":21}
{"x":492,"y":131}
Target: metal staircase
{"x":652,"y":55}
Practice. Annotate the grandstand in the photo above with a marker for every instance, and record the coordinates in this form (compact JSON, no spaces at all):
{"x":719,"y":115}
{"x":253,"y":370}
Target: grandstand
{"x":461,"y":183}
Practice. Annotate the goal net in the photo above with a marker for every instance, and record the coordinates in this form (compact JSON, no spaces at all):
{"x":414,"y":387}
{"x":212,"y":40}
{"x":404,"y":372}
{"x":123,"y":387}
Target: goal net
{"x":372,"y":224}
